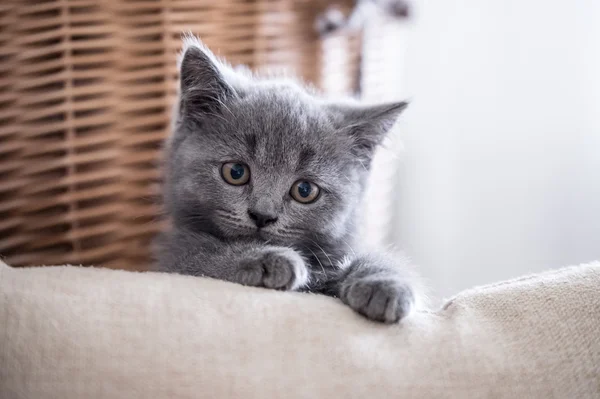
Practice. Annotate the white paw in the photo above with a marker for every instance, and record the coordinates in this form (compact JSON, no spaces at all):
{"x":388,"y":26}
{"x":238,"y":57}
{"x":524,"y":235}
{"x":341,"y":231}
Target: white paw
{"x":278,"y":268}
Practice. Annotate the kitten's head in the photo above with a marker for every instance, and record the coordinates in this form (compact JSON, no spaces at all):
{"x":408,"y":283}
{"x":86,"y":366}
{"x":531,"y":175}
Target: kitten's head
{"x":264,"y":158}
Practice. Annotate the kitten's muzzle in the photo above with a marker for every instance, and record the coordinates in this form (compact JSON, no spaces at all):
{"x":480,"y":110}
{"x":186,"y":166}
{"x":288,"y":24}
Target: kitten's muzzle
{"x":261,"y":219}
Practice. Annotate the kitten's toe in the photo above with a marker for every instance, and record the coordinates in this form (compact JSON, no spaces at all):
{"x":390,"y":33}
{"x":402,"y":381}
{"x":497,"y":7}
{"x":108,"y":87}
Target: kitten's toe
{"x":384,"y":300}
{"x":281,"y":268}
{"x":250,"y":273}
{"x":284,"y":269}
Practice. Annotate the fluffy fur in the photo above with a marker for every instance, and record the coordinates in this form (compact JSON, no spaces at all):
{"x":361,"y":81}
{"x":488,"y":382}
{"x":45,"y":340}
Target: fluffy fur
{"x":283,"y":133}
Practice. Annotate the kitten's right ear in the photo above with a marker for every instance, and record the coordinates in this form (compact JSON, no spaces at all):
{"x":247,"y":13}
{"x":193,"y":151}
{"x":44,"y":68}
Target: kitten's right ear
{"x":205,"y":82}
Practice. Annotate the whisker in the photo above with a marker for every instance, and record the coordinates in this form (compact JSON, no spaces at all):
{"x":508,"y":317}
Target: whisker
{"x":191,"y":218}
{"x":317,"y":258}
{"x":322,"y":250}
{"x":233,"y":218}
{"x":349,"y":247}
{"x":286,"y":233}
{"x":228,"y":215}
{"x":363,"y":165}
{"x":292,"y":230}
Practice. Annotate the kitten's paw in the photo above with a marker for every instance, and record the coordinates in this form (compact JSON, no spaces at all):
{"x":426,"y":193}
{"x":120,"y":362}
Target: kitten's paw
{"x":383,"y":299}
{"x":278,"y":268}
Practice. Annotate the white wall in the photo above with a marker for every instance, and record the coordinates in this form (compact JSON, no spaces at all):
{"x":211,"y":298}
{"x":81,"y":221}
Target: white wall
{"x":500,"y":171}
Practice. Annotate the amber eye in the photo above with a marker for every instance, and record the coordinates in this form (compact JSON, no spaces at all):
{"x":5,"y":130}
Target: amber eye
{"x":234,"y":173}
{"x":305,"y":192}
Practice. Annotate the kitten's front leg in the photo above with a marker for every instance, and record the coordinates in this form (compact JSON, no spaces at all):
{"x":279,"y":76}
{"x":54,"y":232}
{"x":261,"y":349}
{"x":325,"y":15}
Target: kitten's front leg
{"x":247,"y":263}
{"x":376,"y":287}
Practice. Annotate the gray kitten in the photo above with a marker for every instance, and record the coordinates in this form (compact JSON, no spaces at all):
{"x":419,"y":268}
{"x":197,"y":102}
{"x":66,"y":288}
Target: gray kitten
{"x":263,"y":184}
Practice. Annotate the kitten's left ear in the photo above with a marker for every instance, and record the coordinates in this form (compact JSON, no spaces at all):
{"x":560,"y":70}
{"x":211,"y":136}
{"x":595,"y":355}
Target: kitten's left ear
{"x":367,"y":126}
{"x":206,"y":82}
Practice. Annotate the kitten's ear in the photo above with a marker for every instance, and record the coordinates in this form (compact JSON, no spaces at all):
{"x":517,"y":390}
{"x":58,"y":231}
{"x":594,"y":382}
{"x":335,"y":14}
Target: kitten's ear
{"x":367,"y":126}
{"x":205,"y":82}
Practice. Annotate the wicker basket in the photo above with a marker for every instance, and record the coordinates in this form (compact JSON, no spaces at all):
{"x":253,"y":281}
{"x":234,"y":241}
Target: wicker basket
{"x":86,"y":88}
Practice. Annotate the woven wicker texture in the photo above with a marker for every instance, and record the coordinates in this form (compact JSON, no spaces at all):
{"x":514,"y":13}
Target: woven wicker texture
{"x":86,"y":89}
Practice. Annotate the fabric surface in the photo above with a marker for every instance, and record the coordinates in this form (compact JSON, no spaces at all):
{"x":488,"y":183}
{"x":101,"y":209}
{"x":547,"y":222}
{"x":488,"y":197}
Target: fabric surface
{"x":69,"y":332}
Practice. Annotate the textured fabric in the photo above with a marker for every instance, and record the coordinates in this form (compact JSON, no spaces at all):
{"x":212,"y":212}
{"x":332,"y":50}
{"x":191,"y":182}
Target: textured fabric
{"x":68,"y":332}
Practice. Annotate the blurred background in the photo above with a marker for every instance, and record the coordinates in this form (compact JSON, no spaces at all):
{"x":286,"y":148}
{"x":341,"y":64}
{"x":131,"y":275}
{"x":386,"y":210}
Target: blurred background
{"x":493,"y":171}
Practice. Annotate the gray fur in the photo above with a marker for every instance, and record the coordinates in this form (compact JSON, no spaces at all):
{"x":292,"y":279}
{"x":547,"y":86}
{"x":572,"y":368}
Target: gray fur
{"x":283,"y":133}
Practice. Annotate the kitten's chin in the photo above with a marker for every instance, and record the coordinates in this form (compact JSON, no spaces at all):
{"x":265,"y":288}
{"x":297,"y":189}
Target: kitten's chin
{"x":230,"y":232}
{"x":265,"y":235}
{"x":249,"y":233}
{"x":272,"y":238}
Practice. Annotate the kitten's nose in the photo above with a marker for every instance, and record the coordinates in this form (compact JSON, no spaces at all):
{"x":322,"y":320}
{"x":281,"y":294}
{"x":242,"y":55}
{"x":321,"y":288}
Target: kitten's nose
{"x":261,"y":219}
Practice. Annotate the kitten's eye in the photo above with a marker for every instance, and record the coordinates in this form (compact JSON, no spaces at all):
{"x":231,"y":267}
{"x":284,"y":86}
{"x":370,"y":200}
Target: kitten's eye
{"x":305,"y":192}
{"x":235,"y":173}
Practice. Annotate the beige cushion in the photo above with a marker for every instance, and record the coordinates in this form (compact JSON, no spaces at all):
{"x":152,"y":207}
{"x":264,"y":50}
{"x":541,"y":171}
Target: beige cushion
{"x":69,"y":332}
